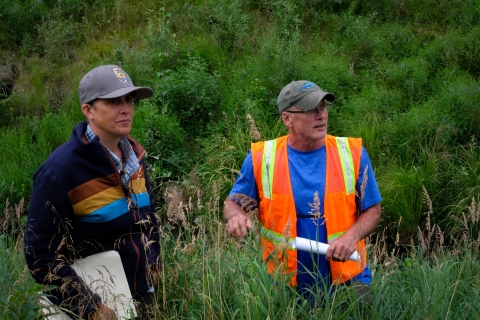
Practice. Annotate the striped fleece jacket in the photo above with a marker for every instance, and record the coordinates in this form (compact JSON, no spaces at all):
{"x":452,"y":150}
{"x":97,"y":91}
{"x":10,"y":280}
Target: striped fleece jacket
{"x":79,"y":207}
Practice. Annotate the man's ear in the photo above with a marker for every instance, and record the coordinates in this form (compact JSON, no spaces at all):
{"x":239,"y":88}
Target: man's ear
{"x":87,"y":110}
{"x":287,"y":119}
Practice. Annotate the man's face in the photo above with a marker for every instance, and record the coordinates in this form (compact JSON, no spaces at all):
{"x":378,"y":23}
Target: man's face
{"x":307,"y":130}
{"x":112,"y":118}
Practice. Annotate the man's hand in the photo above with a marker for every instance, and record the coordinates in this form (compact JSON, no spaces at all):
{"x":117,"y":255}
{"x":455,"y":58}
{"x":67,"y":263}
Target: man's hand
{"x":237,"y":222}
{"x":342,"y":248}
{"x":105,"y":313}
{"x":238,"y":225}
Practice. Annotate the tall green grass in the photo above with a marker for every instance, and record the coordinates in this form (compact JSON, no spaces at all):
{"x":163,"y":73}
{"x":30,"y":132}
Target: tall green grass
{"x":405,"y":74}
{"x":207,"y":274}
{"x":19,"y":299}
{"x":27,"y":144}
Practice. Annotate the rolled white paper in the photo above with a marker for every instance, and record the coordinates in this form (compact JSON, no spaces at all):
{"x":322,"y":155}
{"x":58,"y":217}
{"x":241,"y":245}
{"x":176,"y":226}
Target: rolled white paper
{"x":308,"y":245}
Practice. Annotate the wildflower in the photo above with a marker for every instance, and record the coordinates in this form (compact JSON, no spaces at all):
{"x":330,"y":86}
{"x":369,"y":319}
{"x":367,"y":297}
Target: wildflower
{"x":315,"y":211}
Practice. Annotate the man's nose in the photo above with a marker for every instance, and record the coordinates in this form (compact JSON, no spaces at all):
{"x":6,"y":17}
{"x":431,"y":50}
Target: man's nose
{"x":319,"y":114}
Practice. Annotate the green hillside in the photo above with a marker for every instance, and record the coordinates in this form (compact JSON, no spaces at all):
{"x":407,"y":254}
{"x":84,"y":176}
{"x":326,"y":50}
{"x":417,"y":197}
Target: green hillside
{"x":406,"y":74}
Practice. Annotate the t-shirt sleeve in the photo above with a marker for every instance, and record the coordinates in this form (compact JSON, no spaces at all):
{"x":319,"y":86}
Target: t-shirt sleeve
{"x":245,"y":183}
{"x":368,"y":192}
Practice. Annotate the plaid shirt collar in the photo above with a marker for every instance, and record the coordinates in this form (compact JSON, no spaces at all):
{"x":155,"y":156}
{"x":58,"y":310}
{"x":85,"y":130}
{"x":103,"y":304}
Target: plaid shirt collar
{"x":130,"y":164}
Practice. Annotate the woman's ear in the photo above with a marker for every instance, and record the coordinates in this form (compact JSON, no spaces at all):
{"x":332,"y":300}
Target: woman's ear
{"x":87,"y":110}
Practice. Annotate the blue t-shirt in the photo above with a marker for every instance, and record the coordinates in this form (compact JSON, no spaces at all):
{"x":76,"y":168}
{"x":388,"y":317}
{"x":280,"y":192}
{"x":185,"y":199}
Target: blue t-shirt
{"x":307,"y":176}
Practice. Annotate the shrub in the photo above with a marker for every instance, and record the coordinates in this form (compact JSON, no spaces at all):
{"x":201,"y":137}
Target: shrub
{"x":247,"y":98}
{"x":356,"y":36}
{"x":228,"y":24}
{"x":161,"y":39}
{"x":191,"y":93}
{"x":164,"y":139}
{"x":18,"y":19}
{"x":397,"y":42}
{"x":457,"y":49}
{"x":412,"y":78}
{"x":21,"y":22}
{"x":406,"y":135}
{"x":7,"y":112}
{"x":280,"y":53}
{"x":459,"y":103}
{"x":58,"y":36}
{"x":332,"y":74}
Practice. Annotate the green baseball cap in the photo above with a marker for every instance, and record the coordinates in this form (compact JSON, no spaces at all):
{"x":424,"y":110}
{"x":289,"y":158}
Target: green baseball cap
{"x":106,"y":82}
{"x":303,"y":94}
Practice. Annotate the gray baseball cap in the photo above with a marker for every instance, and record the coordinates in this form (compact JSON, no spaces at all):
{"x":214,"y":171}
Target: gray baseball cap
{"x":303,"y":94}
{"x":107,"y":82}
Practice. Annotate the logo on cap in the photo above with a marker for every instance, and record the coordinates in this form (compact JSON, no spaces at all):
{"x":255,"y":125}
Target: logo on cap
{"x":120,"y":75}
{"x":307,"y":86}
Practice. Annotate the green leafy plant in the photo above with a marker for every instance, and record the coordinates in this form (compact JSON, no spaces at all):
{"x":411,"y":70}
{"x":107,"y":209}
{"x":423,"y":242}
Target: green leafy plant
{"x":191,"y":93}
{"x":59,"y":35}
{"x":165,"y":140}
{"x":19,"y":299}
{"x":18,"y":19}
{"x":229,"y":24}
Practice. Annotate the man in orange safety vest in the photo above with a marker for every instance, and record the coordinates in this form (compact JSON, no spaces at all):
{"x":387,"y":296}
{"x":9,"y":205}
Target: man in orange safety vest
{"x":311,"y":185}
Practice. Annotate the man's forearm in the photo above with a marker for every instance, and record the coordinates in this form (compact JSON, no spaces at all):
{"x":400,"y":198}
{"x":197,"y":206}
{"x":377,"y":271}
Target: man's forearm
{"x":237,"y":222}
{"x":366,"y":223}
{"x":231,"y":209}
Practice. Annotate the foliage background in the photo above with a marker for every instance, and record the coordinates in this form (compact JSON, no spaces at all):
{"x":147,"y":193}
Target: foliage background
{"x":405,"y":73}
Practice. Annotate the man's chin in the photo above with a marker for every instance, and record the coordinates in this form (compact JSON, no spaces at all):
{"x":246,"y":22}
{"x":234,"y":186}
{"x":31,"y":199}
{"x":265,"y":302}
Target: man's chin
{"x":321,"y":134}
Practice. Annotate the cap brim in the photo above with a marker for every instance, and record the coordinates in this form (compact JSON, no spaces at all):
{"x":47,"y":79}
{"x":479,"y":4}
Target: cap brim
{"x":311,"y":100}
{"x":140,"y":93}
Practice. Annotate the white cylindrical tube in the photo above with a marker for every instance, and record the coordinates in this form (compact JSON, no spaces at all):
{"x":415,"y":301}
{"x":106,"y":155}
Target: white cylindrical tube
{"x":308,"y":245}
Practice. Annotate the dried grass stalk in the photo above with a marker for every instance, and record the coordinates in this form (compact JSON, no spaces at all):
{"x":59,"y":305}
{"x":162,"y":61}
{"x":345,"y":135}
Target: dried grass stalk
{"x":254,"y":133}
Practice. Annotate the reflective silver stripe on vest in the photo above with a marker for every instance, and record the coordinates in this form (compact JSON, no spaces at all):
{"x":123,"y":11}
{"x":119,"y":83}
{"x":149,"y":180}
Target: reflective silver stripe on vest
{"x":334,"y":236}
{"x":276,"y":238}
{"x":268,"y":167}
{"x":347,"y":164}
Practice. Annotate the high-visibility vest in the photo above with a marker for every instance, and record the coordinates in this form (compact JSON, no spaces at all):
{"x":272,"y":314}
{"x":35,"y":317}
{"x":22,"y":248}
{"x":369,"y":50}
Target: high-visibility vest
{"x":277,"y":212}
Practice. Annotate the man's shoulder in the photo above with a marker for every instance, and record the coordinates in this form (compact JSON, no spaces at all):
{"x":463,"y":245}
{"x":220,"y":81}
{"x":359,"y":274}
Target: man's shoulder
{"x":329,"y":136}
{"x":352,"y":141}
{"x":261,"y":144}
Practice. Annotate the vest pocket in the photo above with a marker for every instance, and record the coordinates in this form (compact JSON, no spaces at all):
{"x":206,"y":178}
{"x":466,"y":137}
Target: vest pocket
{"x":275,"y":214}
{"x":340,"y":213}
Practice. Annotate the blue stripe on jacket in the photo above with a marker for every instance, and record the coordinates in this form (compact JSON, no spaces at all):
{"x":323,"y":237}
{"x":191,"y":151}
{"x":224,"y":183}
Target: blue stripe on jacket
{"x":116,"y":209}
